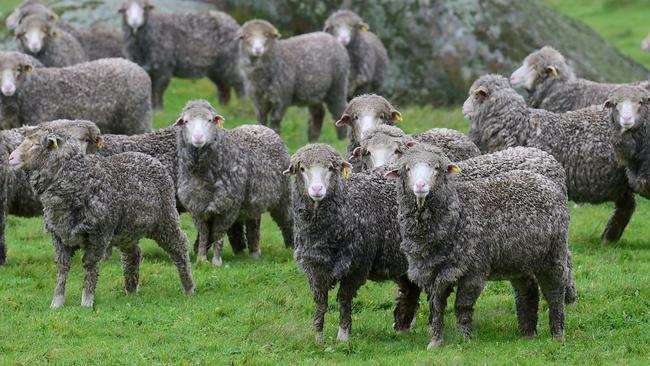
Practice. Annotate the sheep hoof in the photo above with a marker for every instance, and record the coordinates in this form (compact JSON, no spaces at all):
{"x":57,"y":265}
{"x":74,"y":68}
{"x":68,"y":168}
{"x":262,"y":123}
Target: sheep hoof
{"x":189,"y":292}
{"x":57,"y":302}
{"x":256,"y":254}
{"x":201,"y":259}
{"x":435,"y":343}
{"x":344,"y":335}
{"x":87,"y":300}
{"x":320,"y":338}
{"x":217,"y":261}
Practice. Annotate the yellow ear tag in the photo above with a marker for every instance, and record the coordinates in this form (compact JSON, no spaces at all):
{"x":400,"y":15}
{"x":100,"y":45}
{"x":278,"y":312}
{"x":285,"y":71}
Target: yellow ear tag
{"x":363,"y":28}
{"x":398,"y":117}
{"x":346,"y":173}
{"x":57,"y":34}
{"x":99,"y":143}
{"x":455,"y":169}
{"x":220,"y":123}
{"x":554,"y":71}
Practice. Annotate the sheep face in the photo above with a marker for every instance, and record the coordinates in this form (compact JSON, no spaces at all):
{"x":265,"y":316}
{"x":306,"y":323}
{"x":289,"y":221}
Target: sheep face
{"x":483,"y":90}
{"x":41,"y":149}
{"x":628,"y":105}
{"x":199,"y":123}
{"x":539,"y":66}
{"x":345,"y":26}
{"x":12,"y":75}
{"x":382,"y":146}
{"x":367,"y":112}
{"x":136,"y":13}
{"x":86,"y":133}
{"x":26,"y":9}
{"x":257,"y":38}
{"x":35,"y":32}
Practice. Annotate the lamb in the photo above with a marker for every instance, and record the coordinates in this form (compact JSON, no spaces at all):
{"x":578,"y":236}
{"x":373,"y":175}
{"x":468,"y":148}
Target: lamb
{"x":384,"y":145}
{"x":579,"y":140}
{"x":629,"y":116}
{"x":346,"y":233}
{"x":552,"y":84}
{"x":53,"y":46}
{"x":510,"y":226}
{"x":310,"y":69}
{"x":368,"y":56}
{"x":114,"y":93}
{"x":94,"y":203}
{"x":183,"y":45}
{"x":230,"y":176}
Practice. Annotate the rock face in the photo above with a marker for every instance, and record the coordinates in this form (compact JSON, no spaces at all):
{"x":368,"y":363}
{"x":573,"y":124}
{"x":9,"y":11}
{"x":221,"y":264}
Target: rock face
{"x":437,"y":47}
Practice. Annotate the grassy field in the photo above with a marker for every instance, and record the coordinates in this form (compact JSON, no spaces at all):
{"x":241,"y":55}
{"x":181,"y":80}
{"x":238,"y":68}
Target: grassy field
{"x":259,"y":311}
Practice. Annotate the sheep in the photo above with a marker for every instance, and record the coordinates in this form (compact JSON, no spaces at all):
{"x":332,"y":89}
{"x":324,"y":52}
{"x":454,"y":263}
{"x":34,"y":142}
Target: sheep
{"x":183,"y":45}
{"x":384,"y":144}
{"x":364,"y":113}
{"x":53,"y":46}
{"x":309,"y":69}
{"x":92,"y":202}
{"x":230,"y":176}
{"x":114,"y":93}
{"x":346,"y":232}
{"x":510,"y":226}
{"x":368,"y":56}
{"x":28,"y":7}
{"x":629,"y":117}
{"x":579,"y":140}
{"x":552,"y":84}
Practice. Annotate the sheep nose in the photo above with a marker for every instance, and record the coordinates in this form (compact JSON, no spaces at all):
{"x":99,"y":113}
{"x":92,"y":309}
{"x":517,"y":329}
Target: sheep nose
{"x":33,"y":46}
{"x":8,"y":89}
{"x":419,"y":185}
{"x":257,"y":50}
{"x":344,"y":40}
{"x":627,"y":118}
{"x":317,"y":188}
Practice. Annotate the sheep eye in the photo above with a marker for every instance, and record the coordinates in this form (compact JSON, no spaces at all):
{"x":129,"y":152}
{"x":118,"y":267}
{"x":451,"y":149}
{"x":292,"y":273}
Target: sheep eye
{"x":302,"y":169}
{"x":356,"y":117}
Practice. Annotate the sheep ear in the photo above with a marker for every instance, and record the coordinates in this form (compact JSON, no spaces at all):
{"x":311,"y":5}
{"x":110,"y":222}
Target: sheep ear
{"x":53,"y":17}
{"x":179,"y":122}
{"x":480,"y":92}
{"x":148,"y":6}
{"x":411,"y":144}
{"x":276,"y":34}
{"x":27,"y":68}
{"x":99,"y":142}
{"x":290,"y":170}
{"x":552,"y":70}
{"x":346,"y":168}
{"x":56,"y":34}
{"x":53,"y":142}
{"x":345,"y":119}
{"x":392,"y":174}
{"x":452,"y":168}
{"x":356,"y":153}
{"x":219,"y":120}
{"x":363,"y":27}
{"x":396,"y":116}
{"x":608,"y":104}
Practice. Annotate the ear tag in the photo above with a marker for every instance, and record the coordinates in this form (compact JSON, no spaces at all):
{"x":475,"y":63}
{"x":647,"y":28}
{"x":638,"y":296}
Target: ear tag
{"x":554,"y":71}
{"x":454,"y":169}
{"x":220,"y":123}
{"x":99,"y":143}
{"x":363,"y":28}
{"x":398,"y":117}
{"x":346,"y":173}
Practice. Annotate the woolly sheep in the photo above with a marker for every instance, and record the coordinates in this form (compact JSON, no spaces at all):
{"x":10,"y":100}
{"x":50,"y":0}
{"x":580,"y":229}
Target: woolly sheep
{"x":510,"y":226}
{"x":53,"y":46}
{"x":183,"y":45}
{"x":136,"y":200}
{"x":28,"y":7}
{"x":230,"y":176}
{"x":310,"y":69}
{"x":579,"y":140}
{"x":346,"y":233}
{"x":368,"y":56}
{"x":114,"y":93}
{"x":629,"y":116}
{"x":552,"y":84}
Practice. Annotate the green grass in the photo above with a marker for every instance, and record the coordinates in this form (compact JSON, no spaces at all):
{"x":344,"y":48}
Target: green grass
{"x":259,"y":312}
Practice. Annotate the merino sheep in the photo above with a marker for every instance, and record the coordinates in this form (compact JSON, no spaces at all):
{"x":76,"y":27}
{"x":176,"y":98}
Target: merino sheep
{"x":581,"y":141}
{"x":346,"y":233}
{"x":27,"y":8}
{"x":54,"y":47}
{"x":552,"y":84}
{"x":368,"y":56}
{"x":183,"y":45}
{"x":114,"y":93}
{"x":629,"y":116}
{"x":511,"y":226}
{"x":310,"y":69}
{"x":231,"y":176}
{"x":384,"y":145}
{"x":92,"y":202}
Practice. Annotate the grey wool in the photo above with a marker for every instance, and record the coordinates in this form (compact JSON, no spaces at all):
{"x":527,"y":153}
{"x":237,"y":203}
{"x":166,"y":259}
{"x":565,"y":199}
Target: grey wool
{"x":629,"y":117}
{"x":306,"y":70}
{"x":114,"y":93}
{"x":364,"y":113}
{"x":53,"y":46}
{"x":228,"y":177}
{"x":347,"y":236}
{"x":93,"y":203}
{"x":552,"y":85}
{"x":368,"y":56}
{"x":99,"y":41}
{"x":26,"y":8}
{"x":580,"y":140}
{"x":191,"y":46}
{"x":384,"y":144}
{"x":512,"y":226}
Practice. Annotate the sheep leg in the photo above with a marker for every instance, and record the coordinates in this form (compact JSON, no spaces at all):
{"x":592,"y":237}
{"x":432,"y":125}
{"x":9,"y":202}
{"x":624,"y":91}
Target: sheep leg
{"x":437,"y":306}
{"x":63,"y":256}
{"x":159,"y":83}
{"x":277,"y":114}
{"x":107,"y":254}
{"x":171,"y":238}
{"x":236,"y":236}
{"x":336,"y":104}
{"x":526,"y":301}
{"x":223,"y":89}
{"x":283,"y":217}
{"x":347,"y":292}
{"x":469,"y":289}
{"x":623,"y":209}
{"x":553,"y":287}
{"x":320,"y":300}
{"x":219,"y":227}
{"x":570,"y":295}
{"x":203,"y":237}
{"x":253,"y":236}
{"x":315,"y":122}
{"x":3,"y":245}
{"x":406,"y":304}
{"x":131,"y":258}
{"x":93,"y":255}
